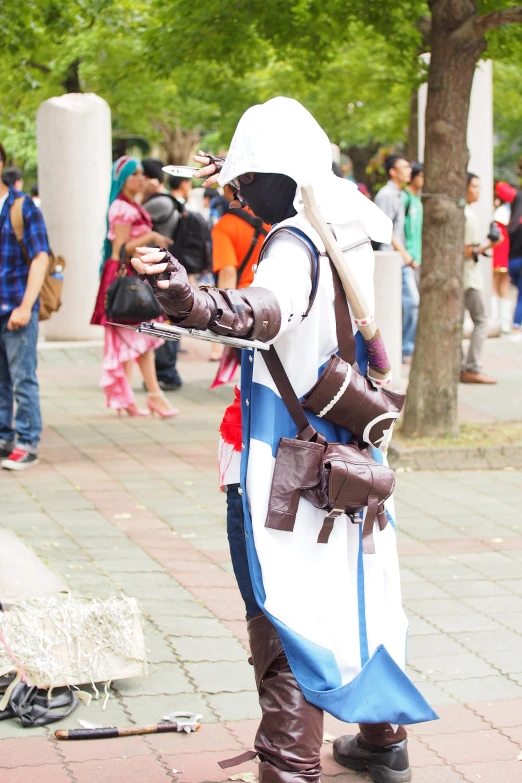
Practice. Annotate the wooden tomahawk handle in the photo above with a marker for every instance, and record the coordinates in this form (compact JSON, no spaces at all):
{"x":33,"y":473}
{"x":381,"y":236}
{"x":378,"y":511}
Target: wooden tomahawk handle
{"x":354,"y":294}
{"x":109,"y":733}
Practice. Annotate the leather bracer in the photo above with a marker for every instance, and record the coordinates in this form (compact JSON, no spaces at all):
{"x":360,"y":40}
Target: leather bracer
{"x":252,"y":313}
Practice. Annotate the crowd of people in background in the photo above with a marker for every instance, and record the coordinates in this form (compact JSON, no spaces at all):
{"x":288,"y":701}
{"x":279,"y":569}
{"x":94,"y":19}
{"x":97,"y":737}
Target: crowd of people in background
{"x":218,"y":245}
{"x":401,"y":199}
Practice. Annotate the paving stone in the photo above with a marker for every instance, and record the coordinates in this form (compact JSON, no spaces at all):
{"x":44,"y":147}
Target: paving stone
{"x":422,"y":590}
{"x":485,"y":641}
{"x":112,"y":715}
{"x":470,"y":690}
{"x":47,"y":773}
{"x":492,"y":772}
{"x":150,"y":709}
{"x":480,"y":746}
{"x":453,"y":718}
{"x":428,"y":608}
{"x":163,"y":678}
{"x":203,"y":767}
{"x":158,"y":648}
{"x":501,"y":713}
{"x":420,"y":647}
{"x":199,"y":627}
{"x":131,"y":770}
{"x":455,"y":623}
{"x":32,"y":752}
{"x":222,"y":676}
{"x":455,"y":667}
{"x":470,"y":589}
{"x":210,"y":737}
{"x":99,"y":750}
{"x":191,"y":649}
{"x":235,"y":706}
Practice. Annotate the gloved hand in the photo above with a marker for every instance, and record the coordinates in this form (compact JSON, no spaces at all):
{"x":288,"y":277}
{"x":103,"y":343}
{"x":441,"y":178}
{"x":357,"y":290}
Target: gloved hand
{"x":168,"y":279}
{"x":252,"y":312}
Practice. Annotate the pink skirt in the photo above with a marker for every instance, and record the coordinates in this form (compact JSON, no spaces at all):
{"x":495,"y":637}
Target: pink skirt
{"x":122,"y":345}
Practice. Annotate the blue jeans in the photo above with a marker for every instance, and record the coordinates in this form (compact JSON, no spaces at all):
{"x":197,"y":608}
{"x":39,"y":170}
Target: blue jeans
{"x":238,"y":553}
{"x":166,"y":357}
{"x":515,"y":271}
{"x":410,"y":310}
{"x":18,"y":383}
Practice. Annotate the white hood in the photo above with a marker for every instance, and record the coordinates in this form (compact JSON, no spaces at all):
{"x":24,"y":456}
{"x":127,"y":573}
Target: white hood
{"x":281,"y":137}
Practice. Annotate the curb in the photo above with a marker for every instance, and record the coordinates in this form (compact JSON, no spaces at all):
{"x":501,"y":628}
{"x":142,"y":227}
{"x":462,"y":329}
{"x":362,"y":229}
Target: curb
{"x":457,"y":458}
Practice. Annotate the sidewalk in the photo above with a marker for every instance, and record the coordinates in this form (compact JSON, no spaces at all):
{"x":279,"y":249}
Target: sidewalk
{"x":133,"y":505}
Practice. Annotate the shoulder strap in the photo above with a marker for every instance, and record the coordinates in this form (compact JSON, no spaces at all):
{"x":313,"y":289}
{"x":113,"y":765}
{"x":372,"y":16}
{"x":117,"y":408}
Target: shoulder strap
{"x":257,"y":225}
{"x":17,"y":224}
{"x":312,"y":251}
{"x":17,"y":218}
{"x":288,"y":395}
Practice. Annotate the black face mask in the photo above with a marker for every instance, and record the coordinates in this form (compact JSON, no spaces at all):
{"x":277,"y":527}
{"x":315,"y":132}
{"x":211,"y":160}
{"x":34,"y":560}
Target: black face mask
{"x":270,"y":197}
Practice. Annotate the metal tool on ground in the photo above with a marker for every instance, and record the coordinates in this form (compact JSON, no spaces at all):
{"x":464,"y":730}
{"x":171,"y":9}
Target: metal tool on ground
{"x":379,"y":366}
{"x":173,"y":722}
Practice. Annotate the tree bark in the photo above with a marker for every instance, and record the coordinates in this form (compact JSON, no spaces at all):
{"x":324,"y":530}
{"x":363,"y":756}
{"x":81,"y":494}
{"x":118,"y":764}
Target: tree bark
{"x":360,"y":157}
{"x":179,"y":144}
{"x":413,"y":128}
{"x":71,"y":82}
{"x":431,"y":404}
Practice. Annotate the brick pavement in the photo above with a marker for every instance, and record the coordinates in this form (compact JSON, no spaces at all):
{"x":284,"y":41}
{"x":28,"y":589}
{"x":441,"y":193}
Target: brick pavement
{"x":133,"y":505}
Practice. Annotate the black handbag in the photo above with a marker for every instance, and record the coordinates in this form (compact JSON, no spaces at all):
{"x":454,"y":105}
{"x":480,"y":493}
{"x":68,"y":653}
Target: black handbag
{"x":130,"y":300}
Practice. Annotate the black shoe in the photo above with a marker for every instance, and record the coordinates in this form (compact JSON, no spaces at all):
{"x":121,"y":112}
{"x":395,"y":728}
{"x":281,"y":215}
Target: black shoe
{"x":6,"y":451}
{"x":170,"y":386}
{"x":385,"y":765}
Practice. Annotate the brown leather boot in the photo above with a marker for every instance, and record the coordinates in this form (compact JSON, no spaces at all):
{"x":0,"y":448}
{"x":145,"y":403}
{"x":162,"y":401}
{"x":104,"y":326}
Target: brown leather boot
{"x":290,"y":734}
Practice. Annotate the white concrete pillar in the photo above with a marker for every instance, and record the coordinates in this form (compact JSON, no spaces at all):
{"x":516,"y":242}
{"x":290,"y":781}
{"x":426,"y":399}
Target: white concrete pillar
{"x":480,"y":144}
{"x":74,"y":165}
{"x":388,"y":307}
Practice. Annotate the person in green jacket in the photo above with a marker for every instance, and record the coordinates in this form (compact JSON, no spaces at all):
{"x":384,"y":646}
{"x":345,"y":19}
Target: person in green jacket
{"x":413,"y":215}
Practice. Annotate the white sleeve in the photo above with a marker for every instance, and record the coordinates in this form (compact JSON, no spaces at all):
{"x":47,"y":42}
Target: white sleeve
{"x":286,"y":272}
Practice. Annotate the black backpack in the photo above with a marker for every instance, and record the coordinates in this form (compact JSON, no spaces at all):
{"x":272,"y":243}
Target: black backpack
{"x":192,"y":242}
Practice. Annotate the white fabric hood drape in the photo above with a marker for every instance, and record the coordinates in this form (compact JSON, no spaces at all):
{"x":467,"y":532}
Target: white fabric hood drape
{"x":281,"y":137}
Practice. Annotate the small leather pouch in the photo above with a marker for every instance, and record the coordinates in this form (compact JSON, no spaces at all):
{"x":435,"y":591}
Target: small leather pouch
{"x":298,"y":467}
{"x":345,"y":398}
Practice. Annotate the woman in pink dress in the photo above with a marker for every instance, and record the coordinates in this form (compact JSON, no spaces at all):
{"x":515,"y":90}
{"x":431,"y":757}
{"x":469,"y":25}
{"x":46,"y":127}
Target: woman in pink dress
{"x":129,"y":225}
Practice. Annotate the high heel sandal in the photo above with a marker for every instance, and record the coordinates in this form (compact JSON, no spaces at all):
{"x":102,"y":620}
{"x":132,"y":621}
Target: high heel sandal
{"x":133,"y":410}
{"x":153,"y":408}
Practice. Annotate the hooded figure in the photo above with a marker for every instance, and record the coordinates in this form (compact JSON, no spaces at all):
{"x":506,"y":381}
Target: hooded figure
{"x":326,"y":625}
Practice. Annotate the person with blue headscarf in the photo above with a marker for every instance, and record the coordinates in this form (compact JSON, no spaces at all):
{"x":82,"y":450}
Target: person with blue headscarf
{"x":128,"y":227}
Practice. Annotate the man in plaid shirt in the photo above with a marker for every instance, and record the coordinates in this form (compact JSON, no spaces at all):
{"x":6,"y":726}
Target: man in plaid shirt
{"x":20,"y":286}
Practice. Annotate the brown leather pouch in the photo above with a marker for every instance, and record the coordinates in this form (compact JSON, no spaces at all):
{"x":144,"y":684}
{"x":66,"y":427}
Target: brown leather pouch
{"x":298,"y":467}
{"x":350,"y":482}
{"x":342,"y":478}
{"x":344,"y":397}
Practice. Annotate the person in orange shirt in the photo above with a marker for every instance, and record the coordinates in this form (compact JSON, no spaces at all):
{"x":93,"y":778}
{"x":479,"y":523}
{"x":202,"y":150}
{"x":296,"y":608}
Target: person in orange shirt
{"x":236,"y":241}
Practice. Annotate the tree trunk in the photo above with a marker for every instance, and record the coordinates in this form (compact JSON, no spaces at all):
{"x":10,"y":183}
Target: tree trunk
{"x":179,"y":144}
{"x":413,"y":128}
{"x":360,"y":157}
{"x":431,"y":404}
{"x":71,"y":82}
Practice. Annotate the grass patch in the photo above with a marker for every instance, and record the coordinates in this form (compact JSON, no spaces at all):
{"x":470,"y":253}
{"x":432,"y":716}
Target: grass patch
{"x":471,"y":434}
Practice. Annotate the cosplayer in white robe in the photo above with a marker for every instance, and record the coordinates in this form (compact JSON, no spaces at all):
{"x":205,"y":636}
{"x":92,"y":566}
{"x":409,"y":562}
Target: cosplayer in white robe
{"x":338,"y":611}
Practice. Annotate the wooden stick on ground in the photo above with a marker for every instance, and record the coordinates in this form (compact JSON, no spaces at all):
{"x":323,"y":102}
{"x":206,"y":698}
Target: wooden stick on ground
{"x":110,"y":732}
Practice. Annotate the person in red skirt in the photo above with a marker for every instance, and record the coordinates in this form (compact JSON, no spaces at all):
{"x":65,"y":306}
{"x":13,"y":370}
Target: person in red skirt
{"x":129,"y":226}
{"x":501,"y":308}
